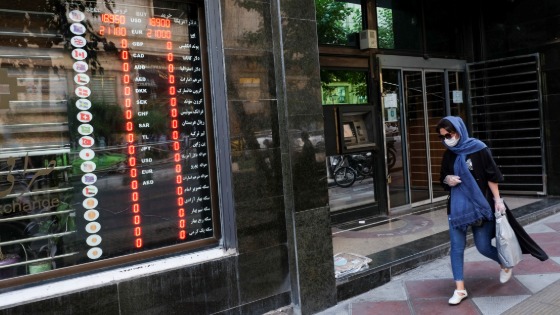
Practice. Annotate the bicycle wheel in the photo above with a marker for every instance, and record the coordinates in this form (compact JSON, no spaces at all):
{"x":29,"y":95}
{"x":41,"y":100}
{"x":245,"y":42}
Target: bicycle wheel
{"x":344,"y":177}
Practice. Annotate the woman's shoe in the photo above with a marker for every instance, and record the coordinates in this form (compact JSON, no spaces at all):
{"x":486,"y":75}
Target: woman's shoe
{"x":505,"y":275}
{"x":458,"y":296}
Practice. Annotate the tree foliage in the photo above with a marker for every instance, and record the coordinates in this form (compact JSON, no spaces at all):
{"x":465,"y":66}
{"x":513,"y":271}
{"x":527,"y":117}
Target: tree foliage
{"x":335,"y":20}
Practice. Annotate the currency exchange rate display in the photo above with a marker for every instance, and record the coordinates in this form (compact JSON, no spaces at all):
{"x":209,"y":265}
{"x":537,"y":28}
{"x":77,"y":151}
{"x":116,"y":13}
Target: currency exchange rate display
{"x":124,"y":165}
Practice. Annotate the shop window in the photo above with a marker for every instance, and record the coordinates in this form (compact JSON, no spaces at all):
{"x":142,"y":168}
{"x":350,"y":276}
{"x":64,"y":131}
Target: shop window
{"x":349,"y":141}
{"x":339,"y":22}
{"x":104,"y":142}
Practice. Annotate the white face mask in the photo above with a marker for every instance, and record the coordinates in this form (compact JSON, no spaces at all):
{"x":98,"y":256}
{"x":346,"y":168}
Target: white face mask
{"x":451,"y":142}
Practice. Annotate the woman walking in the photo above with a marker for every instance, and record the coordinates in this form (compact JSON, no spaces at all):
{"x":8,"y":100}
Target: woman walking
{"x":469,"y":171}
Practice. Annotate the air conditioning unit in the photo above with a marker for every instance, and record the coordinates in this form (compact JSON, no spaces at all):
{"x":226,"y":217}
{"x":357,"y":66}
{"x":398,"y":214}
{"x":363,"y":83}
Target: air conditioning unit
{"x":368,"y":39}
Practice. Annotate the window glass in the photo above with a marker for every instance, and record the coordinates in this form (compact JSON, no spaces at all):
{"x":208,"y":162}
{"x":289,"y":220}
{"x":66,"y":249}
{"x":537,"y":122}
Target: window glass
{"x":343,"y":87}
{"x":443,"y":27}
{"x":339,"y":22}
{"x":399,"y":25}
{"x":103,"y":142}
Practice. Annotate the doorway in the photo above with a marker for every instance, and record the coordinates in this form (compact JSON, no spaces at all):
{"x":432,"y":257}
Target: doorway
{"x":416,"y":94}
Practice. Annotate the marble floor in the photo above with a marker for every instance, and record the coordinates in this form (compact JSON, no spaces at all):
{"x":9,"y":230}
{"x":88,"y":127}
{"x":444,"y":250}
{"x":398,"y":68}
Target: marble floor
{"x":370,"y":237}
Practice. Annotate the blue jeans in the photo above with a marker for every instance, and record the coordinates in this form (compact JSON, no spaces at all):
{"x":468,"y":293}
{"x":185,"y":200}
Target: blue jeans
{"x":482,"y":239}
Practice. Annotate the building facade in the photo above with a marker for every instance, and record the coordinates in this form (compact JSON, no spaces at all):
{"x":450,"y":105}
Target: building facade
{"x":194,"y":156}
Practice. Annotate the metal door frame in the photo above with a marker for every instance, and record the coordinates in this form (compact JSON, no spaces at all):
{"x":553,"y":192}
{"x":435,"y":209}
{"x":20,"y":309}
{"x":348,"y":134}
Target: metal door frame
{"x":405,"y":63}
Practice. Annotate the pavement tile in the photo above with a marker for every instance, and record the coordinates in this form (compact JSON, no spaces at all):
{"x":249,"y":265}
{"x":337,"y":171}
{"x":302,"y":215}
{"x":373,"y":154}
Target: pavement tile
{"x":540,"y":238}
{"x":381,"y":308}
{"x":531,"y":265}
{"x":535,"y":283}
{"x":488,"y":269}
{"x":496,"y":305}
{"x":441,"y":306}
{"x":430,"y":288}
{"x":551,"y":248}
{"x":554,"y":225}
{"x":479,"y":287}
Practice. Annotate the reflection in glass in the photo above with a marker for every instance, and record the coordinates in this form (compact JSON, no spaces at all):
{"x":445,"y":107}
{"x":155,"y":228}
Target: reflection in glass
{"x":350,"y":180}
{"x":338,"y":22}
{"x":343,"y":87}
{"x":103,"y":133}
{"x":398,"y":191}
{"x":399,"y":25}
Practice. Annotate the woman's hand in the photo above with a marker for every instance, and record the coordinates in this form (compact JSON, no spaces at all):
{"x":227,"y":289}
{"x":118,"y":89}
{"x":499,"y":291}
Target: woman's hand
{"x":499,"y":205}
{"x":452,"y":180}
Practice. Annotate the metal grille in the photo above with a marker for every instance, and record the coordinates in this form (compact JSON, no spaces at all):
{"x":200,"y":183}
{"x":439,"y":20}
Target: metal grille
{"x":505,"y":103}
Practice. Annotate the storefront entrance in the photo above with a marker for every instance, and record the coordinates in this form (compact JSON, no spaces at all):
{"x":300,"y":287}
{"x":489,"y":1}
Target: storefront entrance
{"x":416,"y":94}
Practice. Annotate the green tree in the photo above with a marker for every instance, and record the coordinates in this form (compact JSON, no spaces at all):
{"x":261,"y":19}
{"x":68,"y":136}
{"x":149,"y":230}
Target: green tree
{"x":335,"y":20}
{"x":385,"y":35}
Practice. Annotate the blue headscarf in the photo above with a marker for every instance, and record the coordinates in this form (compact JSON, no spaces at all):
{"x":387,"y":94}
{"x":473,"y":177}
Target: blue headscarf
{"x":468,"y":204}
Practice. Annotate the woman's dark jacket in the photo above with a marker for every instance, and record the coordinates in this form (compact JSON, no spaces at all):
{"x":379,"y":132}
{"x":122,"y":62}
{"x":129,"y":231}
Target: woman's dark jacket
{"x":484,"y":170}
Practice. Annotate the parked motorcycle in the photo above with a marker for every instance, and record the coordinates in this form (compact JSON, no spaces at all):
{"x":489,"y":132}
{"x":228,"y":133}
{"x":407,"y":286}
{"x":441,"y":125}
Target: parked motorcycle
{"x":351,"y":167}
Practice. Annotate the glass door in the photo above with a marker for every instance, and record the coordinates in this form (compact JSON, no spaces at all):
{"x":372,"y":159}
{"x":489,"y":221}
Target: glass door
{"x":416,"y":133}
{"x":435,"y":110}
{"x":414,"y":101}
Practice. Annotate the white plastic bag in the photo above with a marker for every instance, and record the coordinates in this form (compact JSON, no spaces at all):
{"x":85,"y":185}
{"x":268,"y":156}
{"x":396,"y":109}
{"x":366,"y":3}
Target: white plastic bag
{"x":507,"y":244}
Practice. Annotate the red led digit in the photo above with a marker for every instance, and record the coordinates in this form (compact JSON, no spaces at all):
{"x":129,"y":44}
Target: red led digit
{"x":170,"y":57}
{"x":179,"y":191}
{"x":129,"y":119}
{"x":174,"y":112}
{"x":102,"y":30}
{"x":171,"y":79}
{"x":169,"y":45}
{"x":173,"y":101}
{"x":175,"y":135}
{"x":181,"y":213}
{"x":179,"y":179}
{"x":177,"y":157}
{"x":176,"y":146}
{"x":180,"y":201}
{"x":174,"y":123}
{"x":170,"y":68}
{"x":178,"y":168}
{"x":182,"y":224}
{"x":171,"y":90}
{"x":182,"y":234}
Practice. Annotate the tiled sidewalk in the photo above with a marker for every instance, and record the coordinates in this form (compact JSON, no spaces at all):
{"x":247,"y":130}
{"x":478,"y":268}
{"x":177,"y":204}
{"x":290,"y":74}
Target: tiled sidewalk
{"x":426,"y":289}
